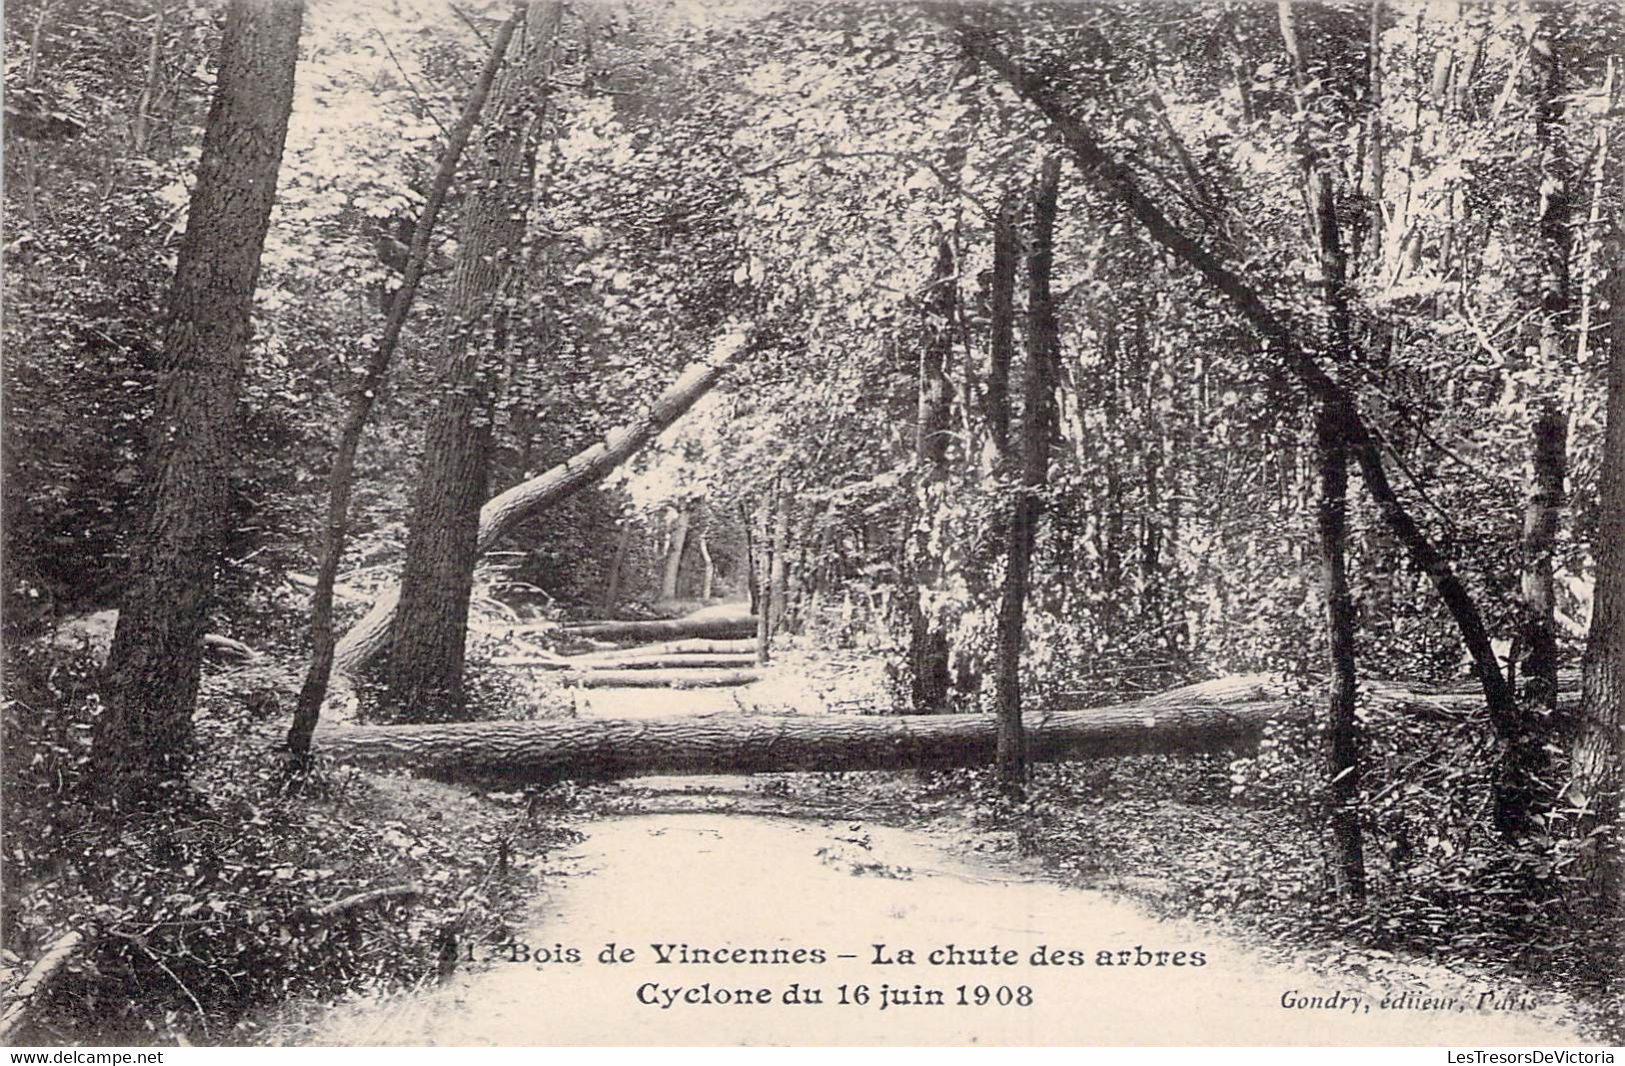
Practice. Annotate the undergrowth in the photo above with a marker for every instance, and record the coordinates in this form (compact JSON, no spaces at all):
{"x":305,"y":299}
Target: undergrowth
{"x":200,"y":911}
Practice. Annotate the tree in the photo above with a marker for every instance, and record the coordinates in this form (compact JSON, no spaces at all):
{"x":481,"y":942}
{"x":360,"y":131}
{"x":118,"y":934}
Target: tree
{"x":342,"y":476}
{"x":425,"y":670}
{"x":1597,"y":766}
{"x":1549,"y":423}
{"x":506,"y":510}
{"x":1027,"y":507}
{"x":928,"y":640}
{"x":1518,"y":786}
{"x":1332,"y":417}
{"x":152,"y":675}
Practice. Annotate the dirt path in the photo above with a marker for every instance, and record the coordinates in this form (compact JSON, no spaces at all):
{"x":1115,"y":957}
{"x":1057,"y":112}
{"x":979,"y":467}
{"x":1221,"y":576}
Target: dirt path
{"x":720,"y":867}
{"x":733,"y":881}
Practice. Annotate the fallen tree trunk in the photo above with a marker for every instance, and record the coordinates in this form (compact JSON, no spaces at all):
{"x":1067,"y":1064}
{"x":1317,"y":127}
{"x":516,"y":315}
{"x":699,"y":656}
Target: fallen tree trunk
{"x":745,"y":646}
{"x":671,"y":628}
{"x":663,"y":678}
{"x":505,"y":511}
{"x":30,"y":989}
{"x":726,"y":661}
{"x":541,"y":753}
{"x":1224,"y":714}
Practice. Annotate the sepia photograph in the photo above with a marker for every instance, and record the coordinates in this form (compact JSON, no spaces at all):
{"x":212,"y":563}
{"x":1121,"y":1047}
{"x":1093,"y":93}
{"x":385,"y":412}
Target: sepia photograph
{"x":660,"y":523}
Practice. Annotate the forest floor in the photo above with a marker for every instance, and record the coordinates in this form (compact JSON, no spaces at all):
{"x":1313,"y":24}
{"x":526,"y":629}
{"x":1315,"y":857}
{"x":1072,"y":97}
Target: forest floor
{"x":842,"y":863}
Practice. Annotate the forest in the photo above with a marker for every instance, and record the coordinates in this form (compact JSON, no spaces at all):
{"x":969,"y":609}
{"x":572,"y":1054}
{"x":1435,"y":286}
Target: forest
{"x":1180,"y":445}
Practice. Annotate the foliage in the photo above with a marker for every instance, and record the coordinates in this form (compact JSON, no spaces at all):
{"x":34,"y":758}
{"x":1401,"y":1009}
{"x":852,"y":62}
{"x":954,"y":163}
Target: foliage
{"x":201,"y":911}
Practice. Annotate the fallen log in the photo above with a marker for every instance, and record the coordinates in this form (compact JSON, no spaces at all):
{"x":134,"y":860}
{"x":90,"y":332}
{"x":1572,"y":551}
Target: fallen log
{"x":544,"y":752}
{"x":662,"y":678}
{"x":728,"y":661}
{"x":666,"y":628}
{"x":409,"y":891}
{"x":744,"y":646}
{"x":40,"y":976}
{"x":225,"y":648}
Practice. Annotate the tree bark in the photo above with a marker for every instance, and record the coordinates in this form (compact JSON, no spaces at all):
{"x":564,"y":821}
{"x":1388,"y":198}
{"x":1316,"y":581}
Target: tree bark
{"x":928,"y":643}
{"x":623,"y":545}
{"x":674,"y":557}
{"x":778,"y":574}
{"x":667,"y":629}
{"x":1375,"y":145}
{"x":1597,"y":763}
{"x":1001,"y":327}
{"x":341,"y":479}
{"x":1038,"y":417}
{"x":723,"y":661}
{"x":508,"y":509}
{"x":1344,"y":753}
{"x":1550,"y":426}
{"x":743,"y":648}
{"x":764,"y":614}
{"x":682,"y":678}
{"x":752,"y":585}
{"x":928,"y":640}
{"x":425,"y":676}
{"x":151,"y":680}
{"x":544,"y":752}
{"x":708,"y":582}
{"x":1517,"y":789}
{"x":1344,"y":744}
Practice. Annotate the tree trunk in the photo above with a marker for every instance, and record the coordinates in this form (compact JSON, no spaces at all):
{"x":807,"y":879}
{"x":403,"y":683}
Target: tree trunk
{"x":928,"y":641}
{"x":764,"y":615}
{"x":1001,"y":327}
{"x":708,"y":583}
{"x":151,"y":680}
{"x":623,"y":545}
{"x":1516,"y":789}
{"x":685,"y":661}
{"x":674,"y":557}
{"x":1038,"y":417}
{"x":506,"y":510}
{"x":752,"y":584}
{"x":1344,"y":746}
{"x":1346,"y":852}
{"x":682,"y":678}
{"x":341,"y":479}
{"x":743,"y":648}
{"x":778,"y":573}
{"x":425,"y":678}
{"x":667,"y":629}
{"x":1375,"y":146}
{"x":1550,"y":426}
{"x":533,"y":753}
{"x":1597,"y":766}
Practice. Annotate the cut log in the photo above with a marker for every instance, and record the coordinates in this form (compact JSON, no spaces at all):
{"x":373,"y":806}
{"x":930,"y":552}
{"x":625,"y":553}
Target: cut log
{"x":543,"y":752}
{"x":663,"y":678}
{"x":505,"y":511}
{"x":666,"y":628}
{"x":728,"y":661}
{"x":744,"y":646}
